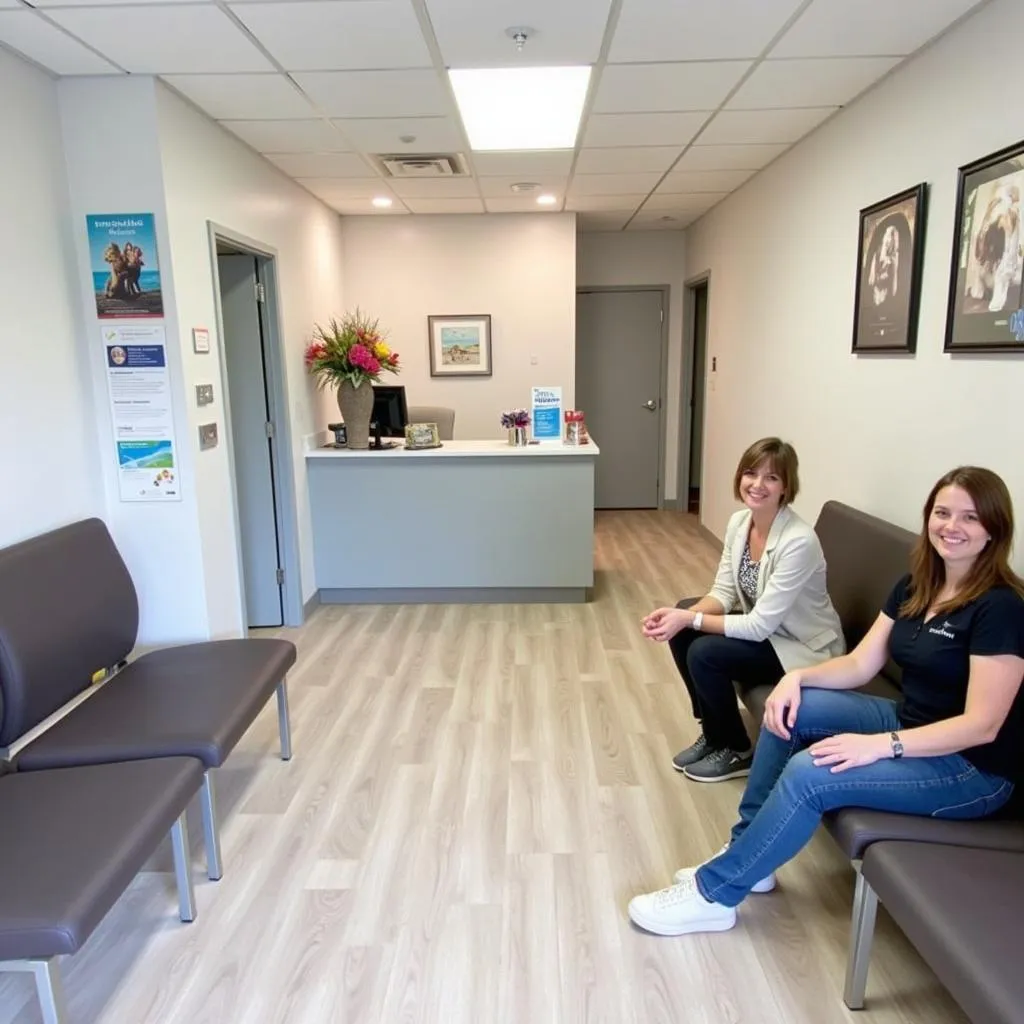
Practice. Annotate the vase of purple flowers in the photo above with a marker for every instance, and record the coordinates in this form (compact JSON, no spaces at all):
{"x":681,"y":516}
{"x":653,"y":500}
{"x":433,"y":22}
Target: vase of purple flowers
{"x":515,"y":421}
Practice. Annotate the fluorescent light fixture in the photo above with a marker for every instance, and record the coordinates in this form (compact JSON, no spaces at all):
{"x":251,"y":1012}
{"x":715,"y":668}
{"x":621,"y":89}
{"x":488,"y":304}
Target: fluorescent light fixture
{"x":546,"y":200}
{"x":382,"y":202}
{"x":521,"y":108}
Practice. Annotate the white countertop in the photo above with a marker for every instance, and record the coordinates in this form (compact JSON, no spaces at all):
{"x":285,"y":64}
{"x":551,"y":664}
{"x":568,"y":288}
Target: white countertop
{"x":461,"y":449}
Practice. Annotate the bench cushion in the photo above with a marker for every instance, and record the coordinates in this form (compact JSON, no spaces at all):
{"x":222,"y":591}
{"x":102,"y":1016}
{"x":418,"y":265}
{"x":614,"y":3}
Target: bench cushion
{"x":196,"y":700}
{"x":73,"y":841}
{"x":962,"y":908}
{"x":68,"y":609}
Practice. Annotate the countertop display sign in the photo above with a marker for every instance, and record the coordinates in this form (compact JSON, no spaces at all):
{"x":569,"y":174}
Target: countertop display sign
{"x":547,"y":414}
{"x":124,"y":265}
{"x":141,"y":412}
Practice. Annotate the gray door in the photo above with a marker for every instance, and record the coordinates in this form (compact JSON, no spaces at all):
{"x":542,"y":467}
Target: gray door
{"x":618,"y":387}
{"x":254,"y":469}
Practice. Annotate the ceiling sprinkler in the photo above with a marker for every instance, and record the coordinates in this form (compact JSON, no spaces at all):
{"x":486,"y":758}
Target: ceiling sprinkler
{"x":519,"y":36}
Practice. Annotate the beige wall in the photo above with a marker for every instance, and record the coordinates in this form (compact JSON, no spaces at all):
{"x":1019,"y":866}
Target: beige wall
{"x":875,"y":432}
{"x":521,"y":269}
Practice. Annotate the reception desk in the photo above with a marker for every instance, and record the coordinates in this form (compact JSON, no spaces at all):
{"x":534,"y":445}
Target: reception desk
{"x":470,"y":522}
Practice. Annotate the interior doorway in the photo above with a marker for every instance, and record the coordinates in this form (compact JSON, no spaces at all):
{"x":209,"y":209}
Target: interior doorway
{"x":698,"y":376}
{"x":257,"y":433}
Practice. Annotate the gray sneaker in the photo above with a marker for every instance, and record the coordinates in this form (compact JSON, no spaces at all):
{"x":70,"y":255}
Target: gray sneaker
{"x":720,"y":765}
{"x":695,"y":752}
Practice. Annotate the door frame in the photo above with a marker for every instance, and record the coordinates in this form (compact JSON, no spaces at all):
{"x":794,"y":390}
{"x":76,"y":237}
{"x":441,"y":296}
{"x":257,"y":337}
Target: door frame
{"x":666,"y":296}
{"x":285,"y":506}
{"x":690,"y":285}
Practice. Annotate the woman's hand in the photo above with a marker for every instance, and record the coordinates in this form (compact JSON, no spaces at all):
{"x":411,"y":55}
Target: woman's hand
{"x":663,"y":623}
{"x":850,"y":750}
{"x":782,"y":705}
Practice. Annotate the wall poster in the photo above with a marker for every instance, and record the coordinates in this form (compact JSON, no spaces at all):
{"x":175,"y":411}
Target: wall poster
{"x":124,"y":265}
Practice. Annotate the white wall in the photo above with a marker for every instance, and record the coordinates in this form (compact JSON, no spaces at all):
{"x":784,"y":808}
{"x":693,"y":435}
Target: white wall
{"x":872,"y":431}
{"x":645,"y":258}
{"x":48,"y":460}
{"x":521,"y":269}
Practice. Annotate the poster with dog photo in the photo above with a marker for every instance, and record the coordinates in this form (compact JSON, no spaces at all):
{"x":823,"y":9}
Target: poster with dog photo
{"x":889,"y":257}
{"x":123,"y":261}
{"x":984,"y":312}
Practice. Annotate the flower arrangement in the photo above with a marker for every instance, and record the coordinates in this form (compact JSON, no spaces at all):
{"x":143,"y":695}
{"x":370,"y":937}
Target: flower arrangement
{"x":352,"y":349}
{"x":515,"y":418}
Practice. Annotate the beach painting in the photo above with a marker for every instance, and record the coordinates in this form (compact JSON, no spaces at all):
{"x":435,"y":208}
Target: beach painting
{"x":124,"y":265}
{"x":460,"y":346}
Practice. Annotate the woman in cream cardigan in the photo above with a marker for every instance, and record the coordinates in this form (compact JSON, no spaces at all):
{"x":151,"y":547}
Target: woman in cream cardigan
{"x":768,"y":613}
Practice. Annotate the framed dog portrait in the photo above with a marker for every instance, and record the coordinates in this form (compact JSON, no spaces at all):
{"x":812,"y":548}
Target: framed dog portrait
{"x":460,"y":346}
{"x":984,"y":312}
{"x":890,"y":253}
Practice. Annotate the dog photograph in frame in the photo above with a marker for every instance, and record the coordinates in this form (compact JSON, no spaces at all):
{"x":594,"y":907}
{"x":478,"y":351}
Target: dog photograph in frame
{"x":984,"y":309}
{"x":890,"y":256}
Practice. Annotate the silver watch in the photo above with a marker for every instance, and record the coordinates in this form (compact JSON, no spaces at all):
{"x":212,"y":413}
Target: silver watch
{"x":698,"y":621}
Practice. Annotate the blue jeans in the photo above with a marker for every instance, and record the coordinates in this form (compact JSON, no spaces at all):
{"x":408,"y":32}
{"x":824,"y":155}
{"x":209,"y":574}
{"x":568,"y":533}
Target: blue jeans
{"x":787,"y":795}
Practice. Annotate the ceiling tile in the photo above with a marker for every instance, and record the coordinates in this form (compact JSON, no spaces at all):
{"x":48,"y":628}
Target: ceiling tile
{"x":320,"y":165}
{"x":313,"y":135}
{"x":231,"y":97}
{"x":626,"y":159}
{"x":472,"y":34}
{"x":604,"y":203}
{"x":363,"y":208}
{"x":641,"y":129}
{"x":384,"y":134}
{"x":661,"y":221}
{"x":375,"y":93}
{"x":653,"y":30}
{"x":612,"y":184}
{"x":328,"y":35}
{"x":30,"y":35}
{"x":435,"y":188}
{"x":93,"y":3}
{"x":838,"y":28}
{"x":445,"y":205}
{"x":703,"y":181}
{"x":163,"y":40}
{"x":729,"y":158}
{"x":702,"y":85}
{"x":524,"y":165}
{"x":330,"y":189}
{"x":809,"y":82}
{"x":689,"y":205}
{"x":593,"y":222}
{"x":519,"y":204}
{"x":499,"y":187}
{"x":761,"y":126}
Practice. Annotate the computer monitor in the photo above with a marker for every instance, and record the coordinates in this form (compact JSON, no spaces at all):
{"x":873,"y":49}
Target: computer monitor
{"x":390,"y":414}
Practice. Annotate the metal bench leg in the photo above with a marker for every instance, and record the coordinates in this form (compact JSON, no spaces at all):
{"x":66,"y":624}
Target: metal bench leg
{"x":283,"y":720}
{"x":862,"y":932}
{"x":183,"y":869}
{"x":48,"y":986}
{"x":211,"y":833}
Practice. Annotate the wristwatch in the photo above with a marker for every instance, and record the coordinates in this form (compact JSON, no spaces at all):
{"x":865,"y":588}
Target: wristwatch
{"x":897,"y":745}
{"x":698,"y":621}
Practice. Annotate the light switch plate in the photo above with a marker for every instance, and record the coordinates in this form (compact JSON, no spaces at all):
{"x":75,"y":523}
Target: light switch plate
{"x":207,"y":436}
{"x":204,"y":394}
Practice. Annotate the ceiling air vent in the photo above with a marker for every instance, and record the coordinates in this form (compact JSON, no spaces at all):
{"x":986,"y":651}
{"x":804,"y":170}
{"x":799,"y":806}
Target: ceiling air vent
{"x":404,"y":165}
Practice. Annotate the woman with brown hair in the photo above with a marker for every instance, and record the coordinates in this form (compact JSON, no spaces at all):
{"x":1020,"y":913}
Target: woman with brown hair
{"x":951,"y":749}
{"x":768,"y":612}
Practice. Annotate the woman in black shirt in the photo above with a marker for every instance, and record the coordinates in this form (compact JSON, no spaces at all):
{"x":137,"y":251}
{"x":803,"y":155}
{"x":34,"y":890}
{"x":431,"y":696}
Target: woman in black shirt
{"x":954,"y":746}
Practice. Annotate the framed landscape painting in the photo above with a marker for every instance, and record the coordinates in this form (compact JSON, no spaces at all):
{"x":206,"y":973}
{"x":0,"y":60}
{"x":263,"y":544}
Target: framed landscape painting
{"x":890,"y":253}
{"x":460,"y":346}
{"x":984,"y":312}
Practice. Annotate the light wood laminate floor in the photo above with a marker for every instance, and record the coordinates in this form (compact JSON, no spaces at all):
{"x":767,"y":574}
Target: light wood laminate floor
{"x":476,"y":793}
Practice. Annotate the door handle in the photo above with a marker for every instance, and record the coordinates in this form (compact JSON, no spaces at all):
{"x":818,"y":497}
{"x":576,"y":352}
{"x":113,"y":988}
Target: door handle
{"x":651,"y":404}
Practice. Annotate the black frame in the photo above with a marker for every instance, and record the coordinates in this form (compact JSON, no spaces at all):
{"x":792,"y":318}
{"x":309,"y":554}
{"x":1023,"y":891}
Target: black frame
{"x":1002,"y":331}
{"x":918,"y":195}
{"x":485,"y":343}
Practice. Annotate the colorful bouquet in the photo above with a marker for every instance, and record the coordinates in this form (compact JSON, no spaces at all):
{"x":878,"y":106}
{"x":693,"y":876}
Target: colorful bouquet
{"x":352,"y":349}
{"x":515,"y":418}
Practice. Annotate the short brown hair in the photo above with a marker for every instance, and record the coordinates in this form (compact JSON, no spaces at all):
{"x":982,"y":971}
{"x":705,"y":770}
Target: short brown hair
{"x":780,"y":456}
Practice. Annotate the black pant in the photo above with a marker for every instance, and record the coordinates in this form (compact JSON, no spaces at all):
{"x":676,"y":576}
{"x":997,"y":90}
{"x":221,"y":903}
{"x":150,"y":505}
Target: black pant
{"x":709,"y":664}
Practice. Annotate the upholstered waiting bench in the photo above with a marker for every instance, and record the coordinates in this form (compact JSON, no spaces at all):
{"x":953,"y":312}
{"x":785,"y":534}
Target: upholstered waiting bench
{"x":68,"y":608}
{"x":73,"y":840}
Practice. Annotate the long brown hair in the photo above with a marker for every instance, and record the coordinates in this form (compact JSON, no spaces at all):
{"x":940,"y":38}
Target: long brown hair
{"x":992,"y":566}
{"x":782,"y":460}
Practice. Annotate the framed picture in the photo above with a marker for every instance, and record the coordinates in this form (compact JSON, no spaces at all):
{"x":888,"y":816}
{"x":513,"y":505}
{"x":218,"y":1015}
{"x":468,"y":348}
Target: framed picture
{"x":890,"y":253}
{"x":460,"y":346}
{"x":984,"y":312}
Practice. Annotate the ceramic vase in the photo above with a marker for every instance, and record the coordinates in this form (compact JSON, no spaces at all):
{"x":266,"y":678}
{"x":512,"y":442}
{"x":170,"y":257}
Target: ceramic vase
{"x":356,"y":405}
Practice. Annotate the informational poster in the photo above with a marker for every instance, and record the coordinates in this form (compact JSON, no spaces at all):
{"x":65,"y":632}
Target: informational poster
{"x":142,"y":413}
{"x":547,"y":414}
{"x":124,"y":265}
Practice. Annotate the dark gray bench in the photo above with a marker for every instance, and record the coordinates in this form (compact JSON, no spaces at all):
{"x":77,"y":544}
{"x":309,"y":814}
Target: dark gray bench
{"x":69,"y":609}
{"x":73,"y":840}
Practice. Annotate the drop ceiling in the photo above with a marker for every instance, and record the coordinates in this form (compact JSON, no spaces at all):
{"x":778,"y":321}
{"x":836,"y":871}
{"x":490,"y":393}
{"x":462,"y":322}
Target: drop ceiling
{"x":688,"y":99}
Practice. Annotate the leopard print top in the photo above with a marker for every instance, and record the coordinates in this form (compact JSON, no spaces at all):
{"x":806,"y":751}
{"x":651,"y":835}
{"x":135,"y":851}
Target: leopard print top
{"x":748,"y":575}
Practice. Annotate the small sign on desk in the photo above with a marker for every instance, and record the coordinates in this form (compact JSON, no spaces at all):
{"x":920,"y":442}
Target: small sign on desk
{"x":547,"y":414}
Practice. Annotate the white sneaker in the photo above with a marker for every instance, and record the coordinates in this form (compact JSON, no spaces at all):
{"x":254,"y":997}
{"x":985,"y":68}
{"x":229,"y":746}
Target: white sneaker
{"x":680,"y":910}
{"x":765,"y":885}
